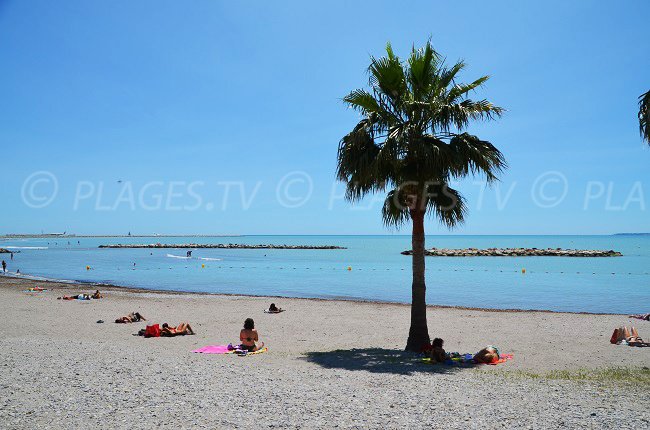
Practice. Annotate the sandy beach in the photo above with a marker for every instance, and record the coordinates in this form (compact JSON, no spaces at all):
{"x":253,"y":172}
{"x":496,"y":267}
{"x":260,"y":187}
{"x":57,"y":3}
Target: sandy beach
{"x":329,"y":364}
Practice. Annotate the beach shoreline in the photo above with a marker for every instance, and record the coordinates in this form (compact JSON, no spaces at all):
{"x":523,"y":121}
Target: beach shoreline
{"x":110,"y":286}
{"x":509,"y":319}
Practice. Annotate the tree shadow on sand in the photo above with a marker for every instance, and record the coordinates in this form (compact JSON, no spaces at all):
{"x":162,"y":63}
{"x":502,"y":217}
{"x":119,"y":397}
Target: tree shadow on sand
{"x":376,"y":360}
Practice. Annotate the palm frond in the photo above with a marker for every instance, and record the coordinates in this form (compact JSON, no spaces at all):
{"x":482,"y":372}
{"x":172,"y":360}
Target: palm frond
{"x":476,"y":156}
{"x":448,"y":75}
{"x":460,"y":114}
{"x":462,"y":89}
{"x":644,"y":116}
{"x":446,"y":204}
{"x":387,"y":77}
{"x":395,"y":211}
{"x":363,"y":101}
{"x":422,"y":65}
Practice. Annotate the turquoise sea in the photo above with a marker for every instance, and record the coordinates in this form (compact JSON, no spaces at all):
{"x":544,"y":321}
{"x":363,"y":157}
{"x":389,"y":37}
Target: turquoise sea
{"x":379,"y":272}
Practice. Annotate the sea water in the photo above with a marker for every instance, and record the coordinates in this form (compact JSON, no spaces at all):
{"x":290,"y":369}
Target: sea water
{"x":377,"y":269}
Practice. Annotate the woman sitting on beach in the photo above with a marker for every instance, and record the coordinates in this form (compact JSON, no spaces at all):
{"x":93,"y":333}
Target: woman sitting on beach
{"x":181,"y":330}
{"x":437,"y":353}
{"x":130,"y":318}
{"x":248,"y":336}
{"x":97,"y":295}
{"x":487,"y":355}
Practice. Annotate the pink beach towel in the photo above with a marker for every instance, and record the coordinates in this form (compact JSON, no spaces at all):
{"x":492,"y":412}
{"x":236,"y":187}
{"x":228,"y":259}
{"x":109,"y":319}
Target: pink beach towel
{"x":214,"y":349}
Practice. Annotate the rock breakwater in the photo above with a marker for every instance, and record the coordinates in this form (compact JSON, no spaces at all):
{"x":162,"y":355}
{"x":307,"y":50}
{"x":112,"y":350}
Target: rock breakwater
{"x":516,"y":252}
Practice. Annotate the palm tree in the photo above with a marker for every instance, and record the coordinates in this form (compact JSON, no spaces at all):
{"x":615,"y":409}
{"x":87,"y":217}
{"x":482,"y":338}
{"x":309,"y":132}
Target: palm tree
{"x":644,"y":116}
{"x":410,"y":142}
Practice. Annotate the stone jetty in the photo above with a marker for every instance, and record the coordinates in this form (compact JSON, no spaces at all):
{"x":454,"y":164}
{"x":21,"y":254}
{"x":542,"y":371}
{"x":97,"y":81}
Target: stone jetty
{"x":6,"y":251}
{"x":219,"y":246}
{"x":516,"y":252}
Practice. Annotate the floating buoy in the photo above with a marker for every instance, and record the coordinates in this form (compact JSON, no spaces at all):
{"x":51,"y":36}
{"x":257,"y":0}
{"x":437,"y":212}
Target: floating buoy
{"x":202,"y":266}
{"x":523,"y":271}
{"x":87,"y":267}
{"x":349,"y":268}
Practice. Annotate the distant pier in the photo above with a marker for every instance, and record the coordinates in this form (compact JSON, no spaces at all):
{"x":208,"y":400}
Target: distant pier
{"x":219,"y":246}
{"x":516,"y":252}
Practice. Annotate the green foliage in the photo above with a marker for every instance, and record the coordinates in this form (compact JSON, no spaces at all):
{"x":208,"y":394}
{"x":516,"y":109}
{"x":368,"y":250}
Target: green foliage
{"x":411,"y":140}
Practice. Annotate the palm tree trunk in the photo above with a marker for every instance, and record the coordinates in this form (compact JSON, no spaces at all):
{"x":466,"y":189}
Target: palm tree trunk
{"x":419,"y":332}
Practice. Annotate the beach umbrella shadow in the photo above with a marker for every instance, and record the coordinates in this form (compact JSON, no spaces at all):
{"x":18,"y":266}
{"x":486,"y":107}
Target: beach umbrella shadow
{"x":376,"y":360}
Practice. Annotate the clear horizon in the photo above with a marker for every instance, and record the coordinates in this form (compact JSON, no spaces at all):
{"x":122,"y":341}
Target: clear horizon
{"x":155,"y":117}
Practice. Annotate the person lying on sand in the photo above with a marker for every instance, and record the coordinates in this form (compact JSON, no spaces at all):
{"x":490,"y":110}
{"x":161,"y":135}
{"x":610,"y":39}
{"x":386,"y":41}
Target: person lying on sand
{"x":77,"y":297}
{"x":130,"y":318}
{"x":488,"y":355}
{"x":645,"y":317}
{"x":437,"y":353}
{"x":633,"y":339}
{"x":248,"y":336}
{"x":637,"y":341}
{"x":181,"y":330}
{"x":274,"y":309}
{"x":627,"y":336}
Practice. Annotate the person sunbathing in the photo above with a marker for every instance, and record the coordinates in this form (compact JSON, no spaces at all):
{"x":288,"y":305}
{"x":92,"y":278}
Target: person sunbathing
{"x":181,"y":330}
{"x":249,"y":336}
{"x":97,"y":295}
{"x":77,"y":297}
{"x":645,"y":317}
{"x":437,"y":353}
{"x":130,"y":318}
{"x":633,"y":339}
{"x":274,"y":309}
{"x":487,"y":355}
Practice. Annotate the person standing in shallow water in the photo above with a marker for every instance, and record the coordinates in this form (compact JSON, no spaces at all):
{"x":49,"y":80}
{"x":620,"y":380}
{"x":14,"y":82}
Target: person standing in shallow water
{"x":4,"y":266}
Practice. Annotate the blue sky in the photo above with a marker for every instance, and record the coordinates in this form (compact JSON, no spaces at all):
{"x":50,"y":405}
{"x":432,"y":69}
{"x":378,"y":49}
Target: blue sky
{"x":188,"y":104}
